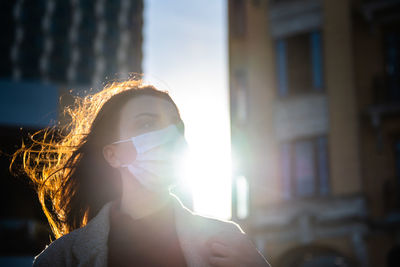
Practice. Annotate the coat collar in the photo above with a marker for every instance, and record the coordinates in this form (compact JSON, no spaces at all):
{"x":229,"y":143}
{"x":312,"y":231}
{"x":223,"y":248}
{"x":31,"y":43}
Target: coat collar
{"x":90,"y":245}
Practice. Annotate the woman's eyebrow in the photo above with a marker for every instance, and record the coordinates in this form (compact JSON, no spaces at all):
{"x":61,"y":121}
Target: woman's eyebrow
{"x":147,"y":114}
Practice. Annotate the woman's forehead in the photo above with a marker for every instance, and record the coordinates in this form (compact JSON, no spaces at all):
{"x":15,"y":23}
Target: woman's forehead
{"x":148,"y":104}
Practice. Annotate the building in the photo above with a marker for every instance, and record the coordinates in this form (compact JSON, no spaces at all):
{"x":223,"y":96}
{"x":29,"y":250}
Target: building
{"x":49,"y":47}
{"x":315,"y":128}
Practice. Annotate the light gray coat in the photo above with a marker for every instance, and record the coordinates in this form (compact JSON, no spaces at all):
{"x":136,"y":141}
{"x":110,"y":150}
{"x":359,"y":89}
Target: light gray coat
{"x":87,"y":246}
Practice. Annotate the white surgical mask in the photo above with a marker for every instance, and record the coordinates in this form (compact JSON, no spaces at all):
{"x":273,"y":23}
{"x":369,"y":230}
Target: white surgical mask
{"x":159,"y":154}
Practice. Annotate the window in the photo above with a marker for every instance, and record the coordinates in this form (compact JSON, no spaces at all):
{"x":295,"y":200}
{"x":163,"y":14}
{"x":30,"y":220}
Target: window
{"x":304,"y":168}
{"x":299,"y":64}
{"x":49,"y":40}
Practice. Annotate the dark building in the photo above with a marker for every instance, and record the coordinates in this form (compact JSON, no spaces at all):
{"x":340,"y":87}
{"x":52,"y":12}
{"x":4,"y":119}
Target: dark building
{"x":47,"y":48}
{"x":316,"y":123}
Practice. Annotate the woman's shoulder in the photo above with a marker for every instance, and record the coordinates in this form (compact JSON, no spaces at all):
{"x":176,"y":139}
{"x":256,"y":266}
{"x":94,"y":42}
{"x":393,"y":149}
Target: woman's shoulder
{"x":81,"y":245}
{"x":215,"y":225}
{"x":58,"y":252}
{"x":197,"y":234}
{"x":205,"y":224}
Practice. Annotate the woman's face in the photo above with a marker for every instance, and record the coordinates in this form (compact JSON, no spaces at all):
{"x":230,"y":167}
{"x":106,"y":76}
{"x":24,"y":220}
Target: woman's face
{"x":139,"y":115}
{"x":144,"y":114}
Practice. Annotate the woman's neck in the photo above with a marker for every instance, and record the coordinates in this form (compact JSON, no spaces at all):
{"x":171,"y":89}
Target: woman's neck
{"x":138,"y":202}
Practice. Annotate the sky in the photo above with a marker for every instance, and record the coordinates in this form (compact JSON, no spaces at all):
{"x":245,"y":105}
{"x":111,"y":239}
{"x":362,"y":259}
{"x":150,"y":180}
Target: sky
{"x":185,"y":52}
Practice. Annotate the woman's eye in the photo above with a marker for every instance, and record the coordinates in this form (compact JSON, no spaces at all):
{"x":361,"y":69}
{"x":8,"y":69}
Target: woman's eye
{"x":148,"y":124}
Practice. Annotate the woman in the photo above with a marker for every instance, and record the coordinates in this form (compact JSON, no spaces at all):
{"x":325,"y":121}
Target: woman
{"x":104,"y":182}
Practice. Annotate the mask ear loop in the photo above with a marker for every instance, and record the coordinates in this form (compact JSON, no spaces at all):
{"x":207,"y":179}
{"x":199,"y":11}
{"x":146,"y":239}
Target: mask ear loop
{"x":120,"y":141}
{"x":179,"y":125}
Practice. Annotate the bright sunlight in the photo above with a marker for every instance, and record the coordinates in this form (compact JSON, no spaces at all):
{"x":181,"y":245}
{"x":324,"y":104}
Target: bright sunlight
{"x":185,"y":53}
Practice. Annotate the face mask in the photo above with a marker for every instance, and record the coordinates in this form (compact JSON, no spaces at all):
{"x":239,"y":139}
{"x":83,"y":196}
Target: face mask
{"x":159,"y":154}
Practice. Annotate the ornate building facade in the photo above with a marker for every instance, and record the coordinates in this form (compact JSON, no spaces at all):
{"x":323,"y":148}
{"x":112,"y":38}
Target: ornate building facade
{"x":315,"y":128}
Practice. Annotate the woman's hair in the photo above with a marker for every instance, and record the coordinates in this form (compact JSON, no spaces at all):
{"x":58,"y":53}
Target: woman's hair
{"x":72,"y":179}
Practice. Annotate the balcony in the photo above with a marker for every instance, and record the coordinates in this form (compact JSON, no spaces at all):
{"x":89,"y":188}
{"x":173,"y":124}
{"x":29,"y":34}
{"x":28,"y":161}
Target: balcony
{"x":306,"y":220}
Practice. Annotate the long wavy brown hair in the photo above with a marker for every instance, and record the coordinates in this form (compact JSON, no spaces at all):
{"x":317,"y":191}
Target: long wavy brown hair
{"x":66,"y":165}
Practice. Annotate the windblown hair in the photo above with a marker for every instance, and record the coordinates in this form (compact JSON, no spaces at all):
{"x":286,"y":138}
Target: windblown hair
{"x":66,"y":165}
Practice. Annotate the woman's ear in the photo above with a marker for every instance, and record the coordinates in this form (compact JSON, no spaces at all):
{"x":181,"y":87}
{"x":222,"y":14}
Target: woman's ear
{"x":110,"y":155}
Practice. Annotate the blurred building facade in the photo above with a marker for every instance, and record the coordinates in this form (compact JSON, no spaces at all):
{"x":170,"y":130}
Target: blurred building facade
{"x":49,"y":47}
{"x":315,"y":109}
